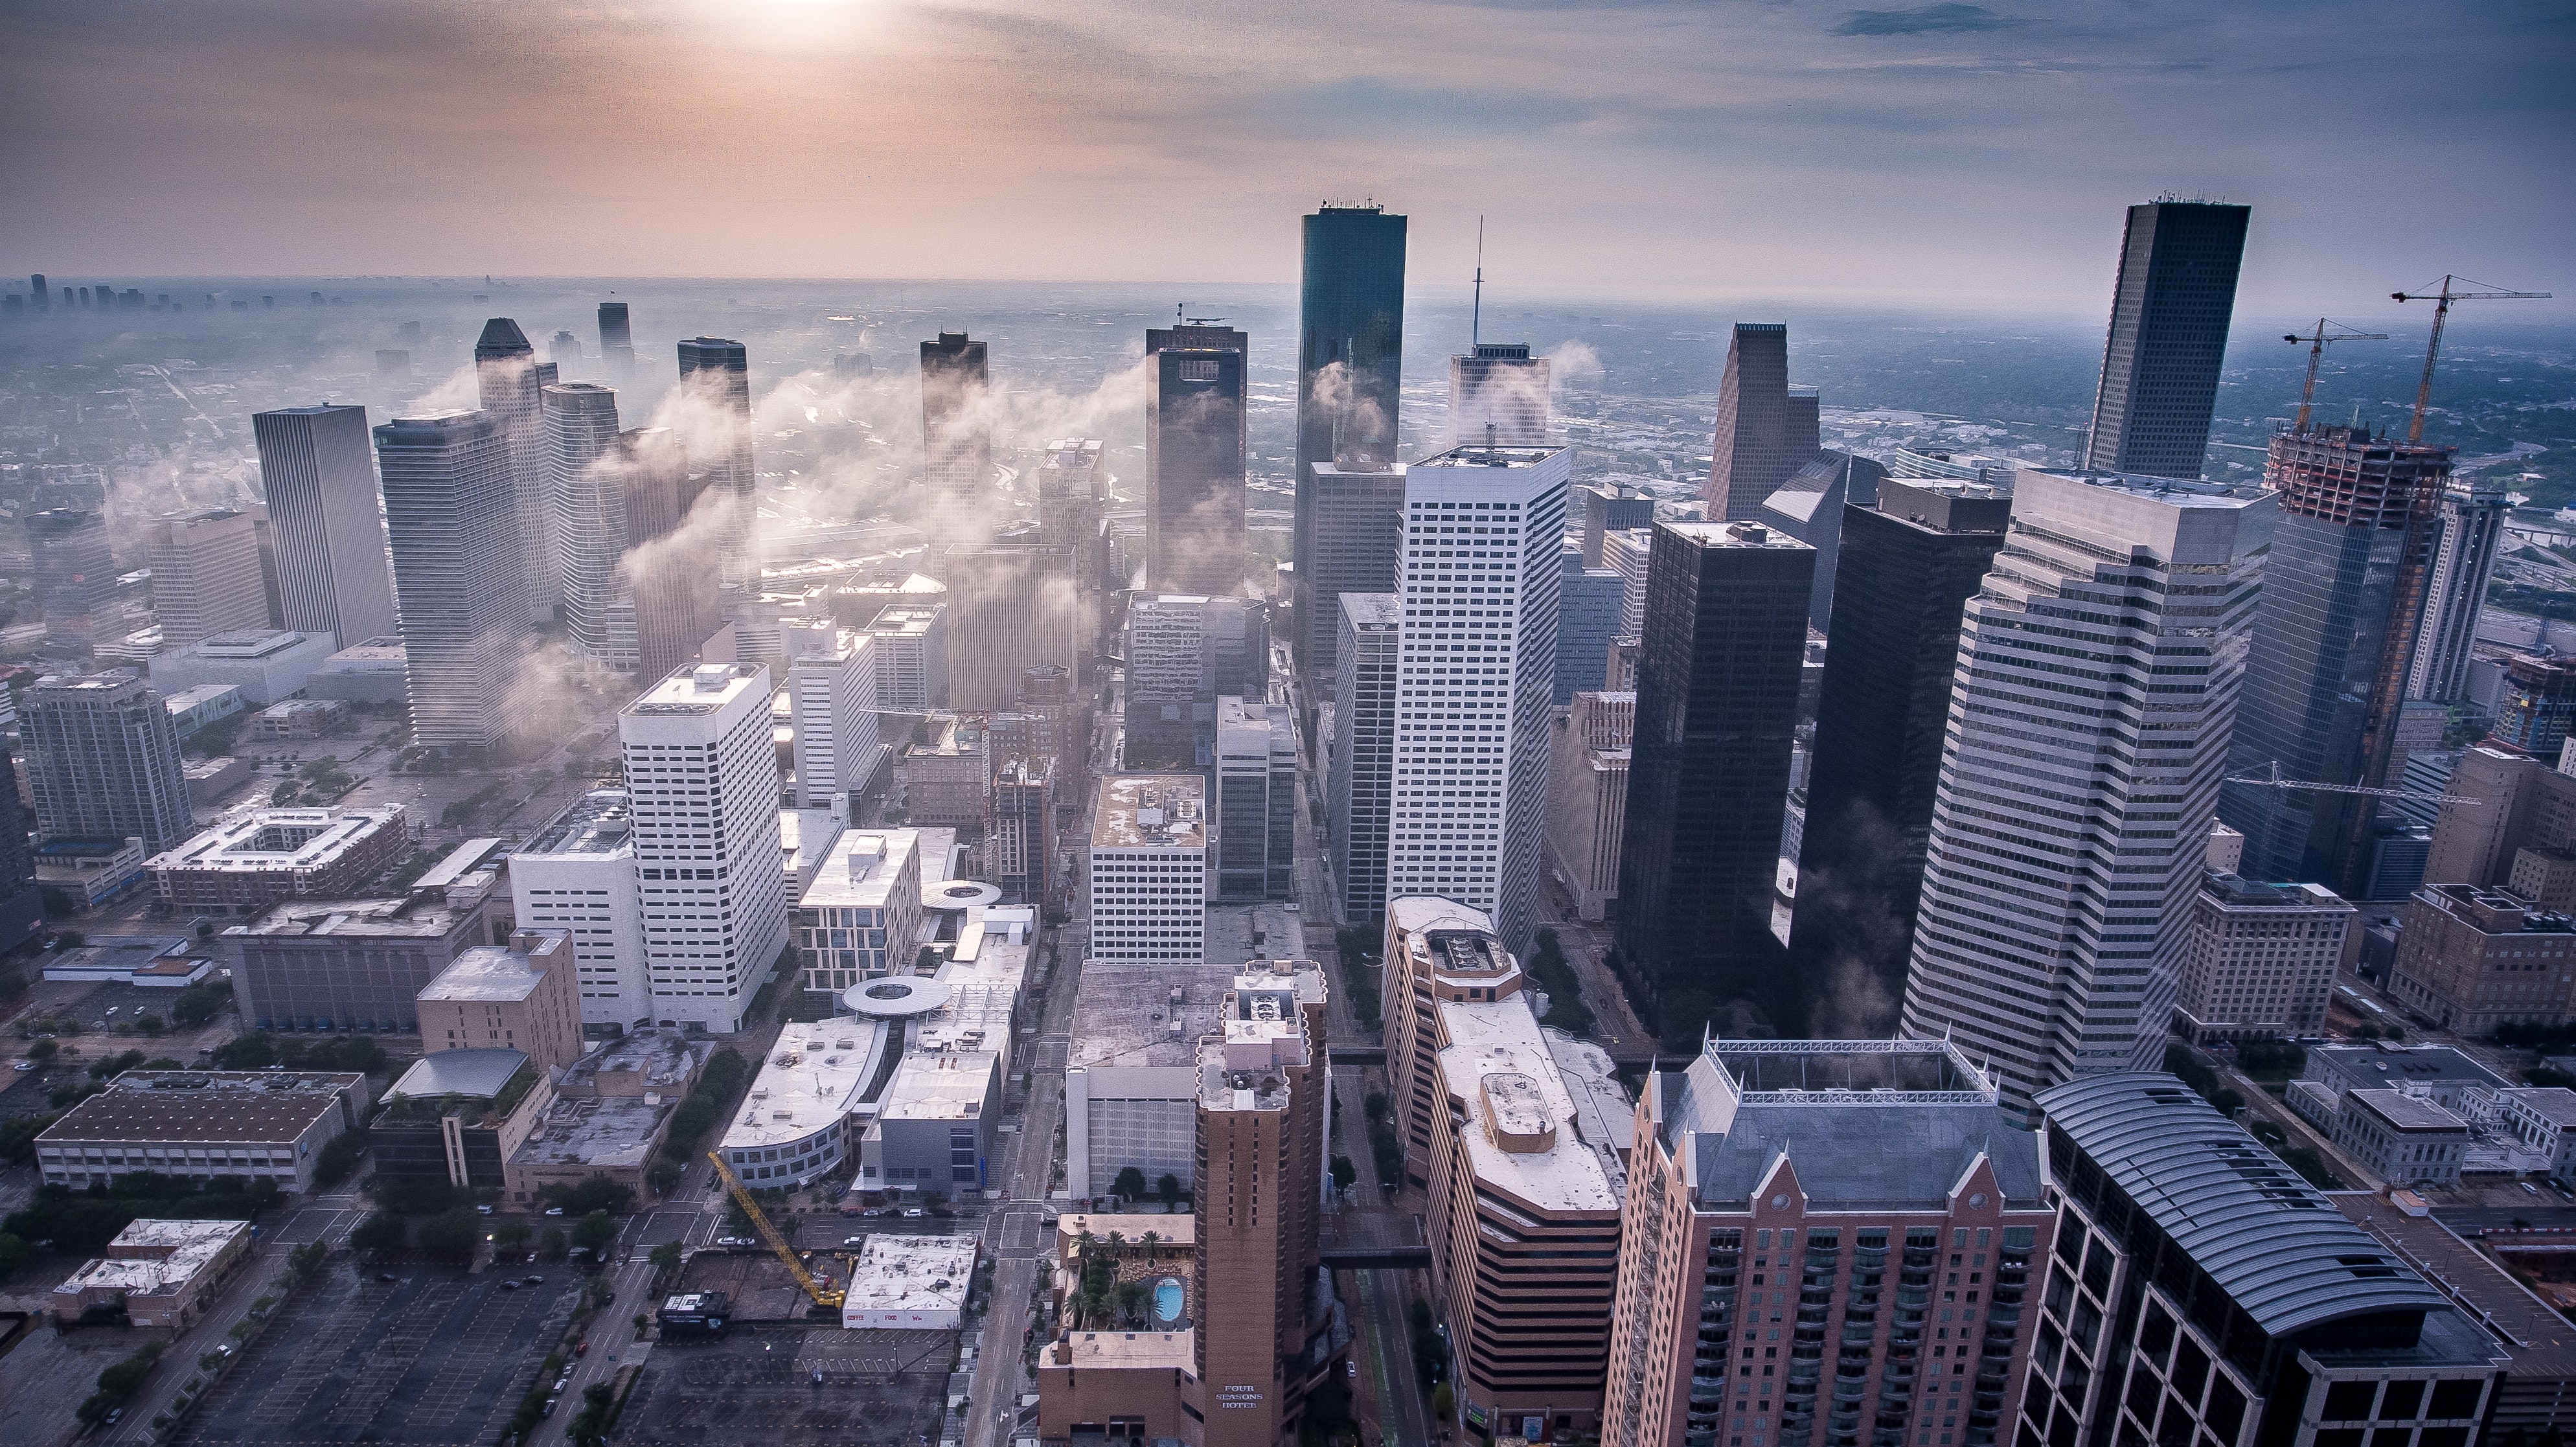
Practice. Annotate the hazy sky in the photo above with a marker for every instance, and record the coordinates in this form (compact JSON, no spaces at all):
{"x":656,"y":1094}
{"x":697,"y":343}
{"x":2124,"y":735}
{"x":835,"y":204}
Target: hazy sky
{"x":1970,"y":154}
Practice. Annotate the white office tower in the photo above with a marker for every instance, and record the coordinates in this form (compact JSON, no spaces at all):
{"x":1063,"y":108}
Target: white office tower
{"x":702,"y":780}
{"x":578,"y":876}
{"x":832,"y":706}
{"x":1499,"y":386}
{"x":451,"y":517}
{"x":329,"y":536}
{"x":1149,"y":869}
{"x":205,"y":575}
{"x":1481,"y":532}
{"x":2099,"y":666}
{"x":1623,"y":551}
{"x":2464,"y":562}
{"x":590,"y":515}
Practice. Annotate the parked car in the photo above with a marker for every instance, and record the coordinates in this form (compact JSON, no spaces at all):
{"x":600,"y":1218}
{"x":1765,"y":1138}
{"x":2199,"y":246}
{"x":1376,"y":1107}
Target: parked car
{"x":914,"y":1213}
{"x":511,"y":1285}
{"x":854,"y":1240}
{"x":24,"y":1065}
{"x":554,"y":1210}
{"x":387,"y":1277}
{"x":581,"y":1348}
{"x":532,"y":1280}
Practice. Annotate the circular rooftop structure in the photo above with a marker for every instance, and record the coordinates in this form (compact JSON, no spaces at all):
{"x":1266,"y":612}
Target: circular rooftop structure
{"x":897,"y":997}
{"x":959,"y":894}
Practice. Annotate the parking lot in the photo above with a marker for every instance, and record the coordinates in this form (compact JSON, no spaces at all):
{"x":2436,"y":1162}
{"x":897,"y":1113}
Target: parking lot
{"x":435,"y":1357}
{"x":756,"y":1386}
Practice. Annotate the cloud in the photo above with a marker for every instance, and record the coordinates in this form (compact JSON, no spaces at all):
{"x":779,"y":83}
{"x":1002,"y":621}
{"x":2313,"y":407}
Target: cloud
{"x":1923,"y":20}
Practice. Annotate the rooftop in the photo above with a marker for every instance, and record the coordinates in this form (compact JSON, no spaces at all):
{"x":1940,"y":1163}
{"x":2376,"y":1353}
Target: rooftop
{"x":166,"y":1106}
{"x":2555,"y":1104}
{"x":700,"y":689}
{"x":2271,"y":1241}
{"x":2395,"y":1063}
{"x":589,"y":1125}
{"x":940,"y":1085}
{"x":2542,"y":1342}
{"x":252,"y":643}
{"x":1169,"y":1230}
{"x":416,"y":916}
{"x":1125,"y":1350}
{"x":1151,"y":811}
{"x":485,"y":972}
{"x":1523,"y":1135}
{"x":1478,"y":455}
{"x":598,"y":822}
{"x":1374,"y":610}
{"x":1139,"y":1015}
{"x":2232,"y":892}
{"x":861,"y":870}
{"x":2408,"y":1112}
{"x":897,"y":1273}
{"x":156,"y":1258}
{"x":818,"y":1072}
{"x":1737,"y":535}
{"x":479,"y":1074}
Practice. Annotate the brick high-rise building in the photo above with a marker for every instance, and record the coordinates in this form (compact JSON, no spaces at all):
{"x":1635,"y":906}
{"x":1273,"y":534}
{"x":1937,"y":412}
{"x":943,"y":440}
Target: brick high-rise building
{"x":2262,"y":959}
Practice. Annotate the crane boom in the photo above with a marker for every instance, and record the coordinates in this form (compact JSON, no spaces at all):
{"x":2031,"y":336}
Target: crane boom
{"x":2316,"y":353}
{"x":2273,"y":780}
{"x":831,"y":1296}
{"x":2433,"y":348}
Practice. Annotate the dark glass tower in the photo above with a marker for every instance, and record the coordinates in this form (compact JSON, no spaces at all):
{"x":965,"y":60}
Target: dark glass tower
{"x":616,"y":341}
{"x":512,"y":383}
{"x":1766,"y":429}
{"x":1350,"y":364}
{"x":1194,"y":439}
{"x":1708,"y":780}
{"x":716,"y":375}
{"x":2169,"y":316}
{"x":956,"y":436}
{"x":2343,"y":598}
{"x":1909,"y":566}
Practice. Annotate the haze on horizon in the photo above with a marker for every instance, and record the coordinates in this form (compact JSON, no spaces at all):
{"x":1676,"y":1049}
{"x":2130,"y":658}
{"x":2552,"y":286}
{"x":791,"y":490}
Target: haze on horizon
{"x":1970,"y":156}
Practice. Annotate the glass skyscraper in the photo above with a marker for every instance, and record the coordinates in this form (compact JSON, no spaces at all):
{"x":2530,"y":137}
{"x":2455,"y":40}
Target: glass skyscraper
{"x":2169,"y":317}
{"x":1350,"y":364}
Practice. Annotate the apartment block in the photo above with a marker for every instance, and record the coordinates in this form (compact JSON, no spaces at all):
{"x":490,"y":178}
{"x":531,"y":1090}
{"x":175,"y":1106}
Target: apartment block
{"x":1824,"y":1242}
{"x":256,"y":856}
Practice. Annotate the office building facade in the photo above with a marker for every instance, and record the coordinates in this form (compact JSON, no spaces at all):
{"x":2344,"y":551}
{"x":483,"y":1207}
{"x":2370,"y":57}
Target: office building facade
{"x":1708,"y":779}
{"x":1256,"y":800}
{"x":1810,"y":507}
{"x":1766,"y":429}
{"x":1360,"y":783}
{"x":715,"y":378}
{"x":1482,"y":530}
{"x":103,"y":761}
{"x":577,"y":875}
{"x":669,"y":602}
{"x":2536,"y":707}
{"x":332,"y":570}
{"x":1152,"y":859}
{"x":1587,"y":797}
{"x":1195,"y":379}
{"x":1588,"y":604}
{"x":2465,"y":551}
{"x":2472,"y":959}
{"x":1910,"y":564}
{"x":1350,"y":532}
{"x":832,"y":698}
{"x":2262,"y":959}
{"x":75,"y":575}
{"x":205,"y":574}
{"x":956,"y":433}
{"x":451,"y":518}
{"x":1499,"y":393}
{"x":2051,"y":962}
{"x":1350,"y":366}
{"x":1611,"y":507}
{"x":589,"y":505}
{"x":510,"y":383}
{"x":2169,"y":312}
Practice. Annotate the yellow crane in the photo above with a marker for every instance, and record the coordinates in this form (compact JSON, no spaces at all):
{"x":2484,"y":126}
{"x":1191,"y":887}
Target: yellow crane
{"x":831,"y":1296}
{"x":2316,"y":354}
{"x":2448,"y":294}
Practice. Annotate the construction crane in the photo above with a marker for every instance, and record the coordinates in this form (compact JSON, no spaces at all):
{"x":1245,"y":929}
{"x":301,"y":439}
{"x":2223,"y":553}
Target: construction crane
{"x":2273,"y":780}
{"x":823,"y":1292}
{"x":2316,"y":354}
{"x":2433,"y":348}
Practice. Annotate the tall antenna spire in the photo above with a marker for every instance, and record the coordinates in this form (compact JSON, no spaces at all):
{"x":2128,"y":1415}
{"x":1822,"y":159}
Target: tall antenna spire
{"x":1476,"y":317}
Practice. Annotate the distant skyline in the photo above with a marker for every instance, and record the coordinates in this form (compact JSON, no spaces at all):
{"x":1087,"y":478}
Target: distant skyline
{"x":1971,"y":156}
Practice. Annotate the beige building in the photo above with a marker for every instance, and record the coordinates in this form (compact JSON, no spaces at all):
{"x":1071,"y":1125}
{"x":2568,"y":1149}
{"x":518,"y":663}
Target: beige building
{"x":204,"y":1125}
{"x":2471,"y":959}
{"x":256,"y":856}
{"x":2523,"y":826}
{"x":859,"y":915}
{"x":2261,"y":959}
{"x":2405,"y":1138}
{"x":522,"y":998}
{"x":162,"y":1272}
{"x":609,"y":1113}
{"x":1587,"y":796}
{"x":948,"y":780}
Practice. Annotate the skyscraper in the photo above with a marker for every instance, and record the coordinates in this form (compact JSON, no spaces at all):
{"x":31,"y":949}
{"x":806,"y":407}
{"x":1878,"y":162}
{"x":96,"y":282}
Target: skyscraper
{"x":1498,"y":392}
{"x":1607,"y":508}
{"x":702,"y":778}
{"x":205,"y":574}
{"x":2334,"y":634}
{"x":1909,"y":566}
{"x":956,"y":432}
{"x":663,"y":584}
{"x":1194,"y":441}
{"x":75,"y":573}
{"x":590,"y":510}
{"x":616,"y":342}
{"x":2464,"y":559}
{"x":1350,"y":365}
{"x":22,"y":903}
{"x":1766,"y":429}
{"x":1587,"y":796}
{"x":715,"y":375}
{"x":2069,"y":830}
{"x":103,"y":761}
{"x":1708,"y":780}
{"x":450,"y":515}
{"x":38,"y":293}
{"x":1809,"y":507}
{"x":1587,"y":618}
{"x":1482,"y":529}
{"x":332,"y":570}
{"x":832,"y":699}
{"x":1350,"y":533}
{"x":512,"y":385}
{"x":1361,"y":780}
{"x":1255,"y":807}
{"x":564,"y":350}
{"x":2169,"y":315}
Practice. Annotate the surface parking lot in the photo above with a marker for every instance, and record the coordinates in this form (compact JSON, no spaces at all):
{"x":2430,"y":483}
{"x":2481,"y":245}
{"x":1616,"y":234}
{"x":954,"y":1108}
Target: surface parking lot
{"x":756,"y":1386}
{"x":435,"y":1357}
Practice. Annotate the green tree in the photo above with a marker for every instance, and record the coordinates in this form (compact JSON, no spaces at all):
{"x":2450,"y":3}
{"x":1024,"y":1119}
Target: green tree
{"x":1344,"y":1173}
{"x":1169,"y":1188}
{"x":340,"y":1156}
{"x":14,"y":1252}
{"x":199,"y":1003}
{"x":667,"y":1256}
{"x":18,"y":1135}
{"x":149,"y":1023}
{"x":1130,"y":1183}
{"x":595,"y":1193}
{"x":551,"y":1245}
{"x":306,"y":1259}
{"x":381,"y":1231}
{"x":511,"y":1235}
{"x":42,"y":1051}
{"x":596,"y":1231}
{"x":452,"y":1235}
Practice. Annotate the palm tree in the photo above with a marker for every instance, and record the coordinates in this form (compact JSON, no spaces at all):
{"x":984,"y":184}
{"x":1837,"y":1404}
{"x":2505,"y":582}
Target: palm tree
{"x":1152,"y":1239}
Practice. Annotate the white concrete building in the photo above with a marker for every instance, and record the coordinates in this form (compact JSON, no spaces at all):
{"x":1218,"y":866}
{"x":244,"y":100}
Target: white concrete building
{"x":910,"y":1283}
{"x":2261,"y":959}
{"x":2544,"y":1118}
{"x":268,"y":664}
{"x":859,"y":915}
{"x":2403,"y":1137}
{"x":578,"y":876}
{"x":2073,"y":812}
{"x":702,"y":788}
{"x":911,"y":652}
{"x":1150,"y":875}
{"x":1482,"y":529}
{"x":802,"y":1117}
{"x":832,"y":693}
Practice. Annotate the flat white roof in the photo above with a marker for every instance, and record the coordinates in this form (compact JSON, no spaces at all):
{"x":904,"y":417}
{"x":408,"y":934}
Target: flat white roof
{"x":861,"y":868}
{"x":813,"y":1076}
{"x":1151,"y":811}
{"x":911,"y":1273}
{"x":169,"y":1254}
{"x":1502,"y":1038}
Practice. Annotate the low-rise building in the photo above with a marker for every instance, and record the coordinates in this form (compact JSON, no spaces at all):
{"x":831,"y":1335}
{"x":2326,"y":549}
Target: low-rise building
{"x":210,"y":781}
{"x":1131,"y":1080}
{"x":1587,"y":796}
{"x":203,"y":1125}
{"x":354,"y":964}
{"x":372,"y":671}
{"x":521,"y":997}
{"x":910,"y":1283}
{"x":800,"y":1120}
{"x":860,"y":913}
{"x":2401,"y":1137}
{"x":256,"y":856}
{"x":269,"y":665}
{"x":948,"y":779}
{"x":159,"y":1273}
{"x":206,"y":703}
{"x":2543,"y":1118}
{"x":2538,"y":1386}
{"x":611,"y":1111}
{"x":148,"y":961}
{"x":2445,"y":1074}
{"x":1151,"y":842}
{"x":2470,"y":959}
{"x":459,"y":1116}
{"x":2259,"y":960}
{"x":299,"y":718}
{"x":91,"y":872}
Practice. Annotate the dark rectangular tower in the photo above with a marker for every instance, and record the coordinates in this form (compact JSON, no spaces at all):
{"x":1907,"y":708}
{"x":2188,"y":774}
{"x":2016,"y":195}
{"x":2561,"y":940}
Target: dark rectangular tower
{"x":1194,"y":443}
{"x":1909,"y":565}
{"x":451,"y":519}
{"x":1708,"y":780}
{"x":1350,"y":364}
{"x":2169,"y":315}
{"x":616,"y":341}
{"x":956,"y":436}
{"x":1766,"y":429}
{"x":511,"y":383}
{"x":715,"y":375}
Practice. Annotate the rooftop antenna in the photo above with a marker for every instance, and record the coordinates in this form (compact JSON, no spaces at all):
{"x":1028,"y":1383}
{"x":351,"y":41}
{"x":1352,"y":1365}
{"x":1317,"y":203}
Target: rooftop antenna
{"x":1476,"y":314}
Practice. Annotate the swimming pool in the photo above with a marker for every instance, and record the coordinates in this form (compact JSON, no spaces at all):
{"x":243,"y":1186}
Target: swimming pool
{"x":1167,"y":1300}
